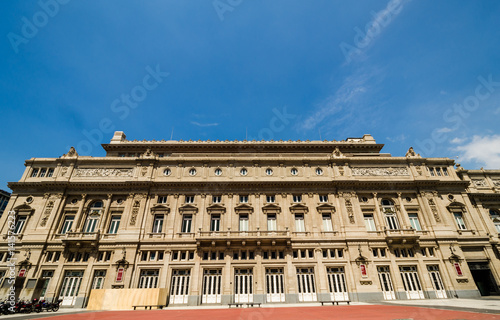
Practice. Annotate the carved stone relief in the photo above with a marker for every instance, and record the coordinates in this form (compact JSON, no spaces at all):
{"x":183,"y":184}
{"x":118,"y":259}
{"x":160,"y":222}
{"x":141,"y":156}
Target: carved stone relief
{"x":479,"y":183}
{"x":135,"y":212}
{"x":103,"y":172}
{"x":46,"y":213}
{"x":401,"y":171}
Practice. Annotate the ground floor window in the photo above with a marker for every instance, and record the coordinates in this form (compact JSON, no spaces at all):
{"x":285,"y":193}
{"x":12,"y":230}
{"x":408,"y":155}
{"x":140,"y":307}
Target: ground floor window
{"x":148,"y":279}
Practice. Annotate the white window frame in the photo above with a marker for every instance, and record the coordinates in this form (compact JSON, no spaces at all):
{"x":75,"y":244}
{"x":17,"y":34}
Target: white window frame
{"x":158,"y":220}
{"x":299,"y":222}
{"x":369,"y":222}
{"x":189,"y":199}
{"x":459,"y":220}
{"x":20,"y":223}
{"x":215,"y":220}
{"x":297,"y":198}
{"x":414,"y":221}
{"x":244,"y":222}
{"x":114,"y":224}
{"x":187,"y":223}
{"x":216,"y":199}
{"x":327,"y":222}
{"x":67,"y":224}
{"x":162,"y":199}
{"x":271,"y":198}
{"x":323,"y":198}
{"x":244,"y":199}
{"x":272,"y":222}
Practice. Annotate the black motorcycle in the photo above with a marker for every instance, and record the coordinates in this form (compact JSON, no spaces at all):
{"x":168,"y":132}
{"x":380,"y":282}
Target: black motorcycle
{"x":54,"y":306}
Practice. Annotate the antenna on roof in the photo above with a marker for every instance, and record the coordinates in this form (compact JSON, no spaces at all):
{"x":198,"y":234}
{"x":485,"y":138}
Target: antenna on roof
{"x":172,"y":135}
{"x":319,"y":130}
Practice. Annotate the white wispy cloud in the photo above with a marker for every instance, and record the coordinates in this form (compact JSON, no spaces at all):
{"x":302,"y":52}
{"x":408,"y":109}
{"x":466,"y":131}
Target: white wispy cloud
{"x":351,"y":89}
{"x":484,"y":150}
{"x":399,"y":138}
{"x":204,"y":124}
{"x":458,"y":140}
{"x":444,"y":130}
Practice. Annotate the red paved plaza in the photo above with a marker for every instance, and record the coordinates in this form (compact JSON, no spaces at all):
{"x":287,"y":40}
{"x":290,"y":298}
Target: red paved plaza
{"x":372,"y":312}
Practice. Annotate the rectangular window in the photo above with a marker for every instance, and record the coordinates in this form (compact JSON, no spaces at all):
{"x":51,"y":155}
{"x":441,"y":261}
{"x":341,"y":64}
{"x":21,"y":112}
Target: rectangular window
{"x":438,"y":171}
{"x":158,"y":223}
{"x":459,"y":219}
{"x":392,"y":222}
{"x":43,"y":172}
{"x":189,"y":199}
{"x":215,"y":222}
{"x":414,"y":222}
{"x":297,"y":198}
{"x":323,"y":198}
{"x":91,"y":224}
{"x":148,"y":279}
{"x":445,"y":171}
{"x":162,"y":199}
{"x":50,"y":173}
{"x":271,"y":222}
{"x":34,"y":173}
{"x":67,"y":224}
{"x":327,"y":222}
{"x":244,"y":199}
{"x":431,"y":170}
{"x":271,"y":199}
{"x":187,"y":220}
{"x":114,"y":224}
{"x":216,"y":199}
{"x":369,"y":222}
{"x":99,"y":276}
{"x":243,"y":222}
{"x":21,"y":220}
{"x":299,"y":223}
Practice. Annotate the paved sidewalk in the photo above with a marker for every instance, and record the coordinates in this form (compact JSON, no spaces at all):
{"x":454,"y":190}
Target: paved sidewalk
{"x":485,"y":305}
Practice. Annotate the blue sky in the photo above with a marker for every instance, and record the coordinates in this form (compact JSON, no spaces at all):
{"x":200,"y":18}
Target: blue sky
{"x":411,"y":73}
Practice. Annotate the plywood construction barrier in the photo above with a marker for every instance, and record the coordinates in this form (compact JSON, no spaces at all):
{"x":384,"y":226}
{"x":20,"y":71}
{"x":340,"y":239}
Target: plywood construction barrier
{"x":124,"y":299}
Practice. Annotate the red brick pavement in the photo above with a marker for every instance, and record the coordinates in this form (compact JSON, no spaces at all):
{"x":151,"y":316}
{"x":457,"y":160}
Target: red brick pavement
{"x":372,"y":312}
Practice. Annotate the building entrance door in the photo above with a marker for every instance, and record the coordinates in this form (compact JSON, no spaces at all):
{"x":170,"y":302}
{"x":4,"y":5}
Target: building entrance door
{"x":336,"y":284}
{"x":305,"y":281}
{"x":274,"y":285}
{"x":179,"y":288}
{"x":437,"y":282}
{"x":243,"y":288}
{"x":386,"y":283}
{"x":411,"y":282}
{"x":70,"y":287}
{"x":485,"y":281}
{"x":212,"y":286}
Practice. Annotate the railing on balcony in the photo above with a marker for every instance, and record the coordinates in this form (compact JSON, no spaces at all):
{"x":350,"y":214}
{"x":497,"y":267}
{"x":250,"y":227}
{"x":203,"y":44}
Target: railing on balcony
{"x":91,"y":236}
{"x":242,"y":234}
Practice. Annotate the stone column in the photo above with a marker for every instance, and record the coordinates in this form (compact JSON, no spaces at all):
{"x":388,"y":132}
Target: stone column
{"x":378,"y":215}
{"x":76,"y":224}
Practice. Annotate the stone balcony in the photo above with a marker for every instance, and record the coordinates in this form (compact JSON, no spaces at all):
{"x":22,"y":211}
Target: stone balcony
{"x":403,"y":236}
{"x":79,"y":239}
{"x":243,"y":238}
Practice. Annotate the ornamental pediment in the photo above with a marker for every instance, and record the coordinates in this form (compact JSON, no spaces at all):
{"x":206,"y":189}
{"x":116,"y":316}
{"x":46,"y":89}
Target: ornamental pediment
{"x":325,"y":208}
{"x":271,"y":208}
{"x":160,"y":209}
{"x":243,"y":208}
{"x":188,"y":208}
{"x":216,"y":208}
{"x":299,"y":208}
{"x":24,"y":208}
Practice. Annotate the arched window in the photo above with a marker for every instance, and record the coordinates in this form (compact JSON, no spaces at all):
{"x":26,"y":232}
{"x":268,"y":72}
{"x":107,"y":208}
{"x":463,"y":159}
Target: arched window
{"x":93,"y":217}
{"x":390,"y":214}
{"x":495,"y":217}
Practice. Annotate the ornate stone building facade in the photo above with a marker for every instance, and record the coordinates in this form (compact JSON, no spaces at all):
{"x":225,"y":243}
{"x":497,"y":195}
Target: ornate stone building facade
{"x":215,"y":222}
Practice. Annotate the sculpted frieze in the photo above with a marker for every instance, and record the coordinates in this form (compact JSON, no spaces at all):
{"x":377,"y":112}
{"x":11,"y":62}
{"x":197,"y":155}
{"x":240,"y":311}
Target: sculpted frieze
{"x":373,"y":171}
{"x":103,"y":172}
